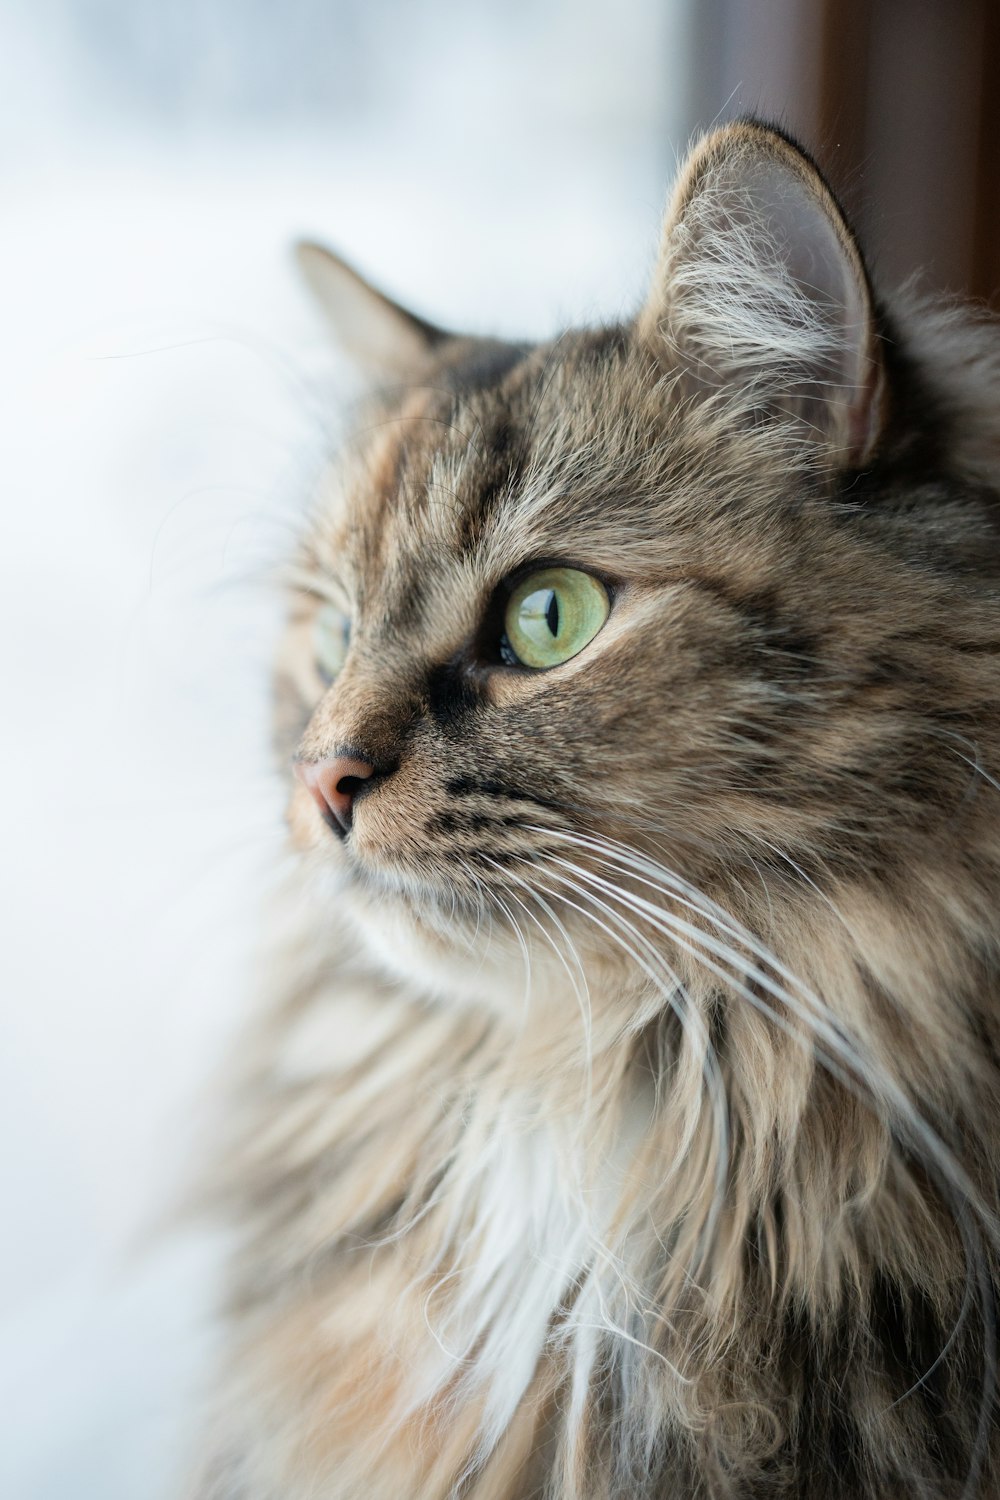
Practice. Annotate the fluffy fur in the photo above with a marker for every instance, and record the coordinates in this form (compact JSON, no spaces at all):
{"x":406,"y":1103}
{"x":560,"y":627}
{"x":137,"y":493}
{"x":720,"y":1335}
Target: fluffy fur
{"x":626,"y":1117}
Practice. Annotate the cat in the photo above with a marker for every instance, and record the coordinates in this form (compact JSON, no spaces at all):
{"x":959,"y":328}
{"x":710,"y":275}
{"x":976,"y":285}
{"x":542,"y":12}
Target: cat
{"x":625,"y":1116}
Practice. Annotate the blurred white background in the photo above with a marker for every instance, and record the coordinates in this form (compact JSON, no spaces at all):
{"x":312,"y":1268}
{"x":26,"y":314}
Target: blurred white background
{"x":166,"y":400}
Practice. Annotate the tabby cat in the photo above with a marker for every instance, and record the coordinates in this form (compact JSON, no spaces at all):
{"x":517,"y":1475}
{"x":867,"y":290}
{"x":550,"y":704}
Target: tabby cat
{"x":625,"y":1121}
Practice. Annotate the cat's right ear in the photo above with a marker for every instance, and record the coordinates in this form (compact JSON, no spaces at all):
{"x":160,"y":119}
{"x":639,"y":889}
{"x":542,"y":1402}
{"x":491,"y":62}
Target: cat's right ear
{"x":761,"y":301}
{"x":385,"y":339}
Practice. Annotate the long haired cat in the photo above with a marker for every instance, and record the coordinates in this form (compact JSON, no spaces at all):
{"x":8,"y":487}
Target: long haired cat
{"x":625,"y":1121}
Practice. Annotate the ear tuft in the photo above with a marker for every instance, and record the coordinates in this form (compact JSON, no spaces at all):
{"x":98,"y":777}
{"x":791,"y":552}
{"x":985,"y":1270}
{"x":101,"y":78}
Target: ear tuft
{"x":382,"y":336}
{"x":761,"y":294}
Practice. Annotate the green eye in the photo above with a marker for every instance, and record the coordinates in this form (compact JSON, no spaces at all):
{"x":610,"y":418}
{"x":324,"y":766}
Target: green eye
{"x":553,"y":614}
{"x":331,"y":634}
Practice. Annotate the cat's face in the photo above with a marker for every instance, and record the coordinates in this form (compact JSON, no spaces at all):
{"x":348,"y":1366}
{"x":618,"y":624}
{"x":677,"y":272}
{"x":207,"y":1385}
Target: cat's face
{"x":720,"y":706}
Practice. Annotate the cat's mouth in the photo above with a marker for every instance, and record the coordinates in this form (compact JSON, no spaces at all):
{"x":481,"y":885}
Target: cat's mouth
{"x":385,"y":882}
{"x":393,"y":855}
{"x":432,"y":874}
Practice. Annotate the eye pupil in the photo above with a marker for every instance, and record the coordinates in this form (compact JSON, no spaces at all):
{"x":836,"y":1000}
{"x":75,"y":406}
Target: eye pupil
{"x":552,"y":613}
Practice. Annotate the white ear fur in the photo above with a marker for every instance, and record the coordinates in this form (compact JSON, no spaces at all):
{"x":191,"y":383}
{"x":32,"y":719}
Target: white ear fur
{"x":374,"y":330}
{"x":761,"y":293}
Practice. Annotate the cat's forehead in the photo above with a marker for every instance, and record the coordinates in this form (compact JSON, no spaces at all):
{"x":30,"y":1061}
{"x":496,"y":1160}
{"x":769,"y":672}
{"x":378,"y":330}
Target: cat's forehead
{"x":506,"y":456}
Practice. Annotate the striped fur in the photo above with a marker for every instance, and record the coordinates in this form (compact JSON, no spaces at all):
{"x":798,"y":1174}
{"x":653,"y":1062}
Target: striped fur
{"x":625,"y":1117}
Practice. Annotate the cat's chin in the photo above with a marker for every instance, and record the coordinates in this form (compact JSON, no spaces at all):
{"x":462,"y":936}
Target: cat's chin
{"x":412,"y":942}
{"x":432,"y":942}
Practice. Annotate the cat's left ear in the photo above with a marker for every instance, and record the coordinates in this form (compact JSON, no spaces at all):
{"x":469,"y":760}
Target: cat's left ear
{"x":761,"y":296}
{"x":382,"y":336}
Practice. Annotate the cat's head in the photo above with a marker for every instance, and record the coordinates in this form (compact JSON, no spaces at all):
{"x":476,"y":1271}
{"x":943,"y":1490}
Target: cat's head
{"x":689,"y":595}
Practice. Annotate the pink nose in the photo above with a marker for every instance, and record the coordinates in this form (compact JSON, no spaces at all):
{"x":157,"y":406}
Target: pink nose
{"x":334,"y":784}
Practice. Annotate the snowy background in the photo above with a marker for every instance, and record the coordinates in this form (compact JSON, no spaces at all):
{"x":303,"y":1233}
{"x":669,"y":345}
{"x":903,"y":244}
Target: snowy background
{"x":166,"y":397}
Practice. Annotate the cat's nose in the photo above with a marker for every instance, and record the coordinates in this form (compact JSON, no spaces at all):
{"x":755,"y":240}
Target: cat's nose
{"x":334,"y":783}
